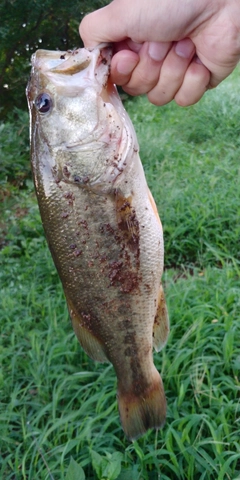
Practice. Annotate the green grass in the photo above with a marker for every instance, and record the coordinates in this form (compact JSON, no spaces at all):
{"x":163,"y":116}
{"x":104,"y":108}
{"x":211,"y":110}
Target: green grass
{"x":56,"y":403}
{"x":191,"y":158}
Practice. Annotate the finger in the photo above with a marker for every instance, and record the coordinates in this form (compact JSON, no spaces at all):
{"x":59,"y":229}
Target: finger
{"x":218,"y":71}
{"x":103,"y":26}
{"x":122,"y":65}
{"x":172,"y":72}
{"x":146,"y":73}
{"x":195,"y":84}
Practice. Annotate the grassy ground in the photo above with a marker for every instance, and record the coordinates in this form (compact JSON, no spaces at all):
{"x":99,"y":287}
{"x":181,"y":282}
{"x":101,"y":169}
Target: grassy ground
{"x":55,"y":403}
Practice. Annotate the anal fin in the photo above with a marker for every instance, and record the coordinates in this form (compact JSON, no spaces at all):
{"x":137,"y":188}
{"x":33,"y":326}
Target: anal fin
{"x":161,"y":323}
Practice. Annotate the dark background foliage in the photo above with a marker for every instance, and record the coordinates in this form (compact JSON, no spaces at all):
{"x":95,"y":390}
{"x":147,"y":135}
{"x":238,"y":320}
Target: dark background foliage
{"x":27,"y":25}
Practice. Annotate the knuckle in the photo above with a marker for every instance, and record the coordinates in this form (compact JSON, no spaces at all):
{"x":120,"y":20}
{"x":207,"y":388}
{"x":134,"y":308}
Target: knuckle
{"x":184,"y":99}
{"x":140,"y":83}
{"x":159,"y":98}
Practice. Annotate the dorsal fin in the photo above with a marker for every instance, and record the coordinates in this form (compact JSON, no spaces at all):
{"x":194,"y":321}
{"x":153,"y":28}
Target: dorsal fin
{"x":154,"y":206}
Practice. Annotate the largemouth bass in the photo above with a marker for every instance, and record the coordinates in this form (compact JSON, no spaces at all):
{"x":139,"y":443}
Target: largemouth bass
{"x":101,"y":223}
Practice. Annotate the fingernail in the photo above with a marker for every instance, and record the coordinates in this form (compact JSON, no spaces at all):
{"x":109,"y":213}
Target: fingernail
{"x":134,"y":46}
{"x":184,"y":48}
{"x":158,"y":50}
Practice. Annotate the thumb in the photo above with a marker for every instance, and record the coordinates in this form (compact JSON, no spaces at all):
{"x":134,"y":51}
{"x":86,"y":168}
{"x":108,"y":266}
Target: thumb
{"x":103,"y":25}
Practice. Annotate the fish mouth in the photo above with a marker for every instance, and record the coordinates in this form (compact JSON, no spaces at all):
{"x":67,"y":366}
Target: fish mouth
{"x":74,"y":61}
{"x":70,"y":61}
{"x":80,"y":66}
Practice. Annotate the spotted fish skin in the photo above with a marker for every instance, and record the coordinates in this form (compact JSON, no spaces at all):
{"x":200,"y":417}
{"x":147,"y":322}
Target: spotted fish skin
{"x":101,"y":223}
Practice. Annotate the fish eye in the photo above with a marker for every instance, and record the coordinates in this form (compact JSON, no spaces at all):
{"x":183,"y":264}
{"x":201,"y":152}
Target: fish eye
{"x":43,"y":102}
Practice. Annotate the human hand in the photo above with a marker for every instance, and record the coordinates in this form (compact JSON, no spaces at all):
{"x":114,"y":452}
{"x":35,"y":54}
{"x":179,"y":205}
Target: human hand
{"x":168,"y":51}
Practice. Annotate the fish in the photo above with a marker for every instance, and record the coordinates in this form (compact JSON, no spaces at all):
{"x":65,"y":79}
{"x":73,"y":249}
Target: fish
{"x":101,"y":223}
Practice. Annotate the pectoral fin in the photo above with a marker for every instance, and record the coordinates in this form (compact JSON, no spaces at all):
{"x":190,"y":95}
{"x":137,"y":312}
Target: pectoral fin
{"x":89,"y":342}
{"x":161,"y":323}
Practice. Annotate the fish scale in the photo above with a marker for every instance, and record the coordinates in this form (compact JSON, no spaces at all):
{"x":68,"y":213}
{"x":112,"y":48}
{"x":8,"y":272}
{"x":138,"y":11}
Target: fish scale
{"x":101,"y":224}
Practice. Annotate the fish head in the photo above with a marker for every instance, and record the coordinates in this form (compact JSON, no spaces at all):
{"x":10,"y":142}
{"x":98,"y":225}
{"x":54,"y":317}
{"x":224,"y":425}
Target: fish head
{"x":77,"y":115}
{"x":63,"y":91}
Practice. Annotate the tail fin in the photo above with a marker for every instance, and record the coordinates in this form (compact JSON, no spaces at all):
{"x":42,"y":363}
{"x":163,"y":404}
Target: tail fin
{"x":138,"y":413}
